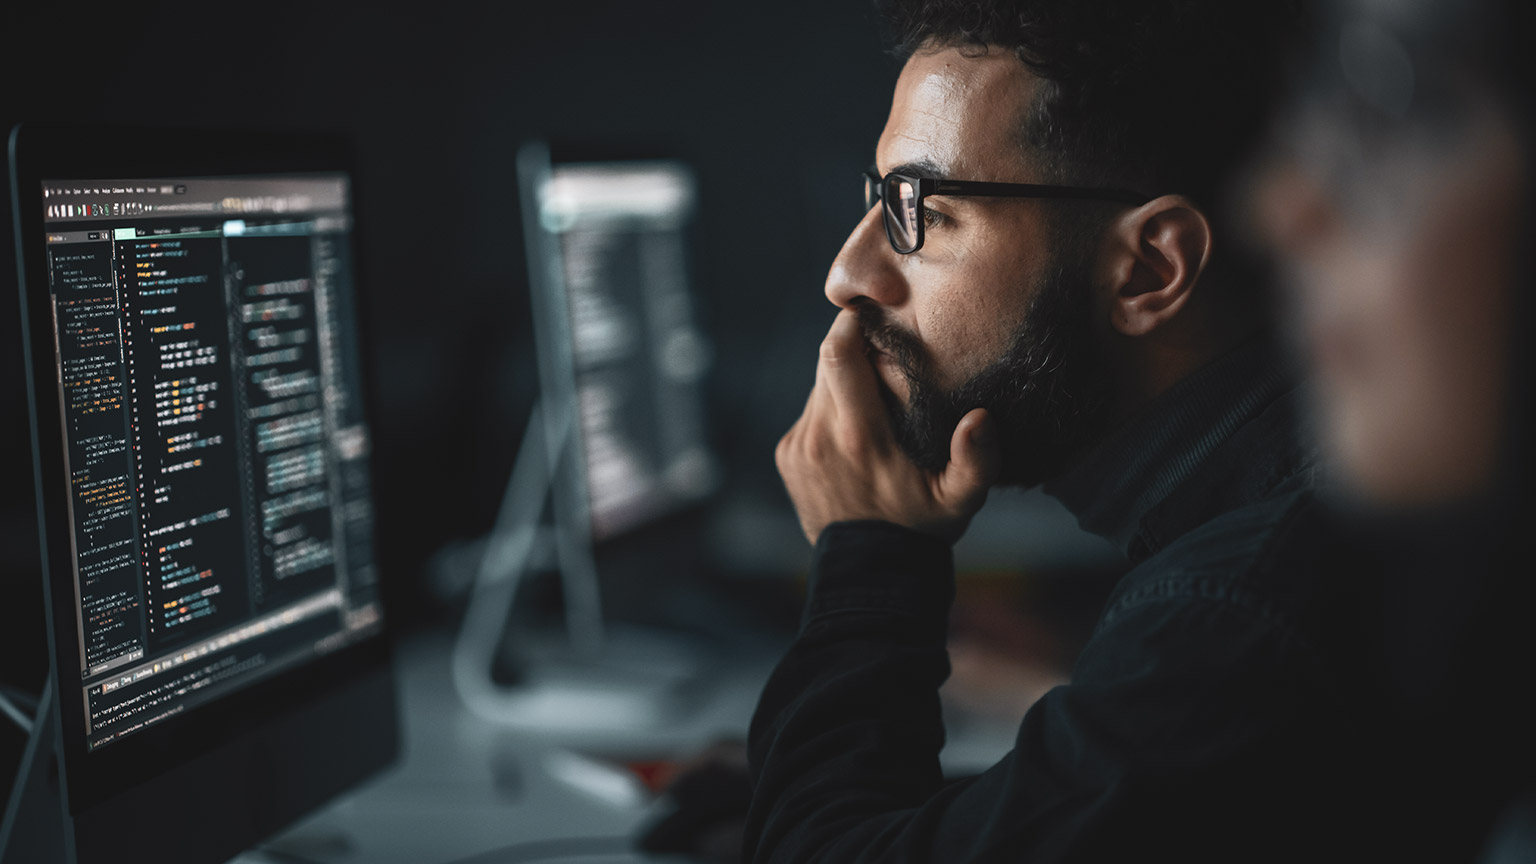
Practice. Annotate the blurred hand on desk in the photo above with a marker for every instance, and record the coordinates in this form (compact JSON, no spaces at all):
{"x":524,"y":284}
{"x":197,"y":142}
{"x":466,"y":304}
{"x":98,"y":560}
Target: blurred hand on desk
{"x":705,"y":800}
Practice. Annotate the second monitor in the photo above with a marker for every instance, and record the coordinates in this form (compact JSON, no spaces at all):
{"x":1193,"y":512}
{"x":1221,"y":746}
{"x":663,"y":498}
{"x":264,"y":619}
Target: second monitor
{"x":618,"y":445}
{"x":611,"y":243}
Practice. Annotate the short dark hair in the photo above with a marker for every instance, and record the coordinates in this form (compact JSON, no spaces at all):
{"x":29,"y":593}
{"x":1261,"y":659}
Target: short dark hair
{"x":1164,"y":96}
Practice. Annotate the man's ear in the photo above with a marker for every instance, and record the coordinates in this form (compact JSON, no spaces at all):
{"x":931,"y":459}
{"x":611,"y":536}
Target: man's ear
{"x":1156,"y":254}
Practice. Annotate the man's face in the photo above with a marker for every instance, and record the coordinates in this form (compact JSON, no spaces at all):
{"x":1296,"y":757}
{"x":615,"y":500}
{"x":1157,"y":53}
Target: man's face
{"x":992,"y":311}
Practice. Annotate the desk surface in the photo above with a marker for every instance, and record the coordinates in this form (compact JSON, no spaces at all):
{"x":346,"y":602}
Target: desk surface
{"x":466,"y":787}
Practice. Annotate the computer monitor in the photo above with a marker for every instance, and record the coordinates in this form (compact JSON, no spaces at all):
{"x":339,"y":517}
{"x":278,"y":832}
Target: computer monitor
{"x":618,"y":446}
{"x":614,"y":315}
{"x":201,"y":454}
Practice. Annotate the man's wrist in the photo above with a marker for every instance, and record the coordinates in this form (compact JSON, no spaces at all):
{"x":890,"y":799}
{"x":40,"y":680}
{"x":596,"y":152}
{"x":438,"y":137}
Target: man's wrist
{"x":873,"y":565}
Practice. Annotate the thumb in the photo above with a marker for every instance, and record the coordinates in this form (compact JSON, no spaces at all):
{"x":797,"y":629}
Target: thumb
{"x":975,"y":458}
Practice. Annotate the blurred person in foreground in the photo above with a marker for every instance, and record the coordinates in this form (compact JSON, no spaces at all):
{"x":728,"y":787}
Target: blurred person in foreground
{"x":1101,"y":337}
{"x":1398,"y":199}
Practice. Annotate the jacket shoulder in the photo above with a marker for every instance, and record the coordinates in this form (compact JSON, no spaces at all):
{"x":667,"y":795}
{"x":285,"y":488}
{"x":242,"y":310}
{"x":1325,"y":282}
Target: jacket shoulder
{"x":1269,"y":557}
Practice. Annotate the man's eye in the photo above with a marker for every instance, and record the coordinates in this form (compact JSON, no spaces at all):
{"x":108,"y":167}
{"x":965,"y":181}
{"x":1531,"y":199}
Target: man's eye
{"x":932,"y":217}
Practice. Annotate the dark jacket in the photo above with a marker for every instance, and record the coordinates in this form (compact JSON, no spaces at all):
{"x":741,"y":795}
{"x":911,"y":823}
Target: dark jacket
{"x":1211,"y":716}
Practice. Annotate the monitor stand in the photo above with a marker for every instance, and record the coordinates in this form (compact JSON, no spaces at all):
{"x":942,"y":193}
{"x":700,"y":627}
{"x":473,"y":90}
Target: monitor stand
{"x":35,"y":827}
{"x":597,"y":684}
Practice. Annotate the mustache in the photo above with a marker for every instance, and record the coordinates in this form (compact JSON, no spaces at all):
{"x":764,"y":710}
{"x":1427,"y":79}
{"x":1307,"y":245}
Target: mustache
{"x":887,"y":337}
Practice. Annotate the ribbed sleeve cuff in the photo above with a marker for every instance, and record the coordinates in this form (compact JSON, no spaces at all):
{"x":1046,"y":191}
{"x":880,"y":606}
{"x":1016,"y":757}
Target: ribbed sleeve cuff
{"x":880,"y":566}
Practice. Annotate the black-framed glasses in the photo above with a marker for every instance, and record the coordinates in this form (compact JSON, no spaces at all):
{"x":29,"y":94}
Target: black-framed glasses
{"x":903,"y":196}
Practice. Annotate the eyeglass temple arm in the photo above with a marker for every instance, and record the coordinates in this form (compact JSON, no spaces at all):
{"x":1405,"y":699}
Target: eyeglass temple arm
{"x":1027,"y":190}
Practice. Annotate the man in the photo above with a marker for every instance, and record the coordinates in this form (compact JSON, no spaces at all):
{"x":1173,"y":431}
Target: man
{"x":1095,"y":335}
{"x":1403,"y":219}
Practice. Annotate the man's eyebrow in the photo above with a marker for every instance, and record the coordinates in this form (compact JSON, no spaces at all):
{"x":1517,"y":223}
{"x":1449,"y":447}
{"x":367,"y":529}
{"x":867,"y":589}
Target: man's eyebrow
{"x":921,"y":168}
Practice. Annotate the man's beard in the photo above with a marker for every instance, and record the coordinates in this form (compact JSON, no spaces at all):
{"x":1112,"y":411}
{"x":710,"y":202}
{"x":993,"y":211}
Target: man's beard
{"x":1046,"y":393}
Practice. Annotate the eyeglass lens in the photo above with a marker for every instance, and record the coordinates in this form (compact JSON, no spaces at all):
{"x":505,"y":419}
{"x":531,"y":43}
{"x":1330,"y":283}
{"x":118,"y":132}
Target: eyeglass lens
{"x":898,"y":197}
{"x":901,"y":212}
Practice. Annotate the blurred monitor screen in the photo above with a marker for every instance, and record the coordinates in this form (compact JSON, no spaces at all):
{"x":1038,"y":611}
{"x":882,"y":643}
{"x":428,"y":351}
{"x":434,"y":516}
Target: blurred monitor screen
{"x":620,"y":234}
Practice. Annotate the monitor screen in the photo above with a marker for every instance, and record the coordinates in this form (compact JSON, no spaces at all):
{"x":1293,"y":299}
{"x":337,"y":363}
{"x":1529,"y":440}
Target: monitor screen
{"x":216,"y":452}
{"x":620,"y":232}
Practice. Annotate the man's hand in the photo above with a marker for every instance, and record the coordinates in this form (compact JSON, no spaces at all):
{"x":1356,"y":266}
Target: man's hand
{"x":840,"y":461}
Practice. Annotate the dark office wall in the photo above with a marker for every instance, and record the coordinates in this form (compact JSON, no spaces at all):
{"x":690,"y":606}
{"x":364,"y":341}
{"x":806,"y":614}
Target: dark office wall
{"x":777,"y":104}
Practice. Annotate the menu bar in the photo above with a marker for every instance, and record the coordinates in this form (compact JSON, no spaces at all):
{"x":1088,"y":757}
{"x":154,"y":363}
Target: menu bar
{"x":73,"y":200}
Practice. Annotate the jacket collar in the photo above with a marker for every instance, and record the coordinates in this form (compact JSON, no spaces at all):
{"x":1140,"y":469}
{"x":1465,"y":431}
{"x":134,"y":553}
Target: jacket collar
{"x":1223,"y":437}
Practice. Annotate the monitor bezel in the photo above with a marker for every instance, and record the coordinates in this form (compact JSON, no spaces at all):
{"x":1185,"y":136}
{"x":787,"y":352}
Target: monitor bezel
{"x":92,"y":779}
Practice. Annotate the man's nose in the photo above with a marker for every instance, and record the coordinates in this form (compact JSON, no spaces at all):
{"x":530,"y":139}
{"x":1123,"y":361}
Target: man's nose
{"x":867,"y":267}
